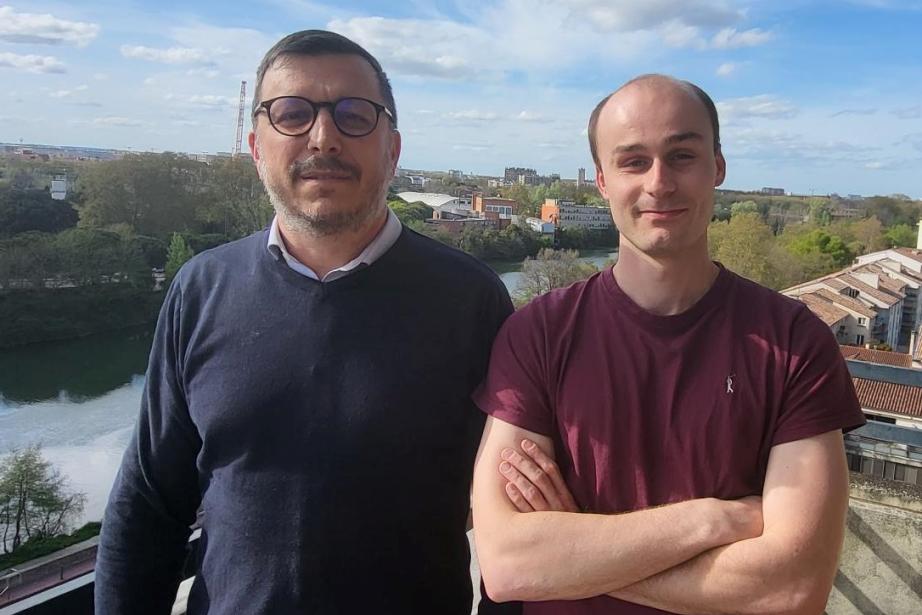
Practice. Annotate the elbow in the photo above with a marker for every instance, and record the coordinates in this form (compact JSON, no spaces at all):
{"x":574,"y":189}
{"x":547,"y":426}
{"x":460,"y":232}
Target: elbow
{"x":802,"y":596}
{"x":509,"y":577}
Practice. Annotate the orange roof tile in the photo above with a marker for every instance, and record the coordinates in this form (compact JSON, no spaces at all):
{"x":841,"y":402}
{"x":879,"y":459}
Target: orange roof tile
{"x":846,"y":302}
{"x":881,"y":295}
{"x":826,"y":311}
{"x":883,"y":357}
{"x":889,"y":397}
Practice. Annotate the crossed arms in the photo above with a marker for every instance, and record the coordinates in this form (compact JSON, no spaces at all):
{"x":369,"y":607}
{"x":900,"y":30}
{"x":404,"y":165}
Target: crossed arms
{"x":774,"y":555}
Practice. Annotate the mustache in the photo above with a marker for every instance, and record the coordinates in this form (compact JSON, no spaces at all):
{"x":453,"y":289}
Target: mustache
{"x":323,"y":163}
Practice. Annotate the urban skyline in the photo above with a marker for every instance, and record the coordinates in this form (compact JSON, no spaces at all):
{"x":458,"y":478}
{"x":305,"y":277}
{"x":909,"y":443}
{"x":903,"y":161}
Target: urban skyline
{"x":815,"y":96}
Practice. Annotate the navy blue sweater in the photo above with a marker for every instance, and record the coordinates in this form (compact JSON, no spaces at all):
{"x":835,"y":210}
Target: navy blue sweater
{"x":326,"y":430}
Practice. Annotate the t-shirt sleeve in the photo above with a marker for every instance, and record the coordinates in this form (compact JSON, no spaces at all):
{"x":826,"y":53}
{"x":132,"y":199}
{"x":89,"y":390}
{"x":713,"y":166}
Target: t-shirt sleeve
{"x":516,"y":389}
{"x":819,"y":394}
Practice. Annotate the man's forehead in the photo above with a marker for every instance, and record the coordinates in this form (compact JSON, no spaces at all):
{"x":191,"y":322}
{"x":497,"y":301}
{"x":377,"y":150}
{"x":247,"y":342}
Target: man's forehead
{"x":339,"y":71}
{"x":655,"y":103}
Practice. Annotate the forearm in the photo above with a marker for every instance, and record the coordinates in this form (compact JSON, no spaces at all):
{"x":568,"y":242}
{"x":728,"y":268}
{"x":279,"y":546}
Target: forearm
{"x":139,"y":558}
{"x":791,"y":566}
{"x":760,"y":575}
{"x":554,"y":555}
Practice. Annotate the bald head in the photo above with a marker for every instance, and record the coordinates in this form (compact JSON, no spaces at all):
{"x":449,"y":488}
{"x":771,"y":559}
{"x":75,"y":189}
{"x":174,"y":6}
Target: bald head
{"x":654,"y":81}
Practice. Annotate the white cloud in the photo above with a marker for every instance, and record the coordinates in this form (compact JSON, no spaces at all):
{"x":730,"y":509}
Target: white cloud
{"x":529,"y":116}
{"x":212,"y":100}
{"x":869,"y":111}
{"x":32,"y":63}
{"x":173,"y":55}
{"x":113,"y":120}
{"x":473,"y":115}
{"x":875,"y":165}
{"x":764,"y":106}
{"x":730,"y":38}
{"x":726,"y":69}
{"x":207,"y":73}
{"x":416,"y":47}
{"x":66,"y":93}
{"x":625,"y":15}
{"x":35,"y":28}
{"x":908,"y":113}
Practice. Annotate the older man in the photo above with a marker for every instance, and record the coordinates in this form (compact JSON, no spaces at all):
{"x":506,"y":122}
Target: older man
{"x":309,"y":385}
{"x":705,"y":410}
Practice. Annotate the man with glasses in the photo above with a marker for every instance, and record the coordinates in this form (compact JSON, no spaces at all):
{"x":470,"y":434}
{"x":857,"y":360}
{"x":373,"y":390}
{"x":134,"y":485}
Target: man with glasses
{"x":309,"y":386}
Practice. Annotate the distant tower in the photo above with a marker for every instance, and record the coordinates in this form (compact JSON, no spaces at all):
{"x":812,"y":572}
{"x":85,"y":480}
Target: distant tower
{"x":581,"y":178}
{"x":238,"y":142}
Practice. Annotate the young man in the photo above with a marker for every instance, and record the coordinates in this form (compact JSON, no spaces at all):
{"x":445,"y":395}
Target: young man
{"x":309,"y":386}
{"x":695,"y":416}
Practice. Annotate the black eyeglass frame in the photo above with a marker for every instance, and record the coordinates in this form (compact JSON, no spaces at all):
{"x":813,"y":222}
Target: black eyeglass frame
{"x":331,"y":106}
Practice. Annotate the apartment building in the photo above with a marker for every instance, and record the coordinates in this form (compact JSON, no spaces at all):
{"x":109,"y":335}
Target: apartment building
{"x":567,"y":214}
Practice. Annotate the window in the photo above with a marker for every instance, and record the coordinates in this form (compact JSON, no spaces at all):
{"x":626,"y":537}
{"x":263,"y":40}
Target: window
{"x":859,"y":339}
{"x":861,"y":321}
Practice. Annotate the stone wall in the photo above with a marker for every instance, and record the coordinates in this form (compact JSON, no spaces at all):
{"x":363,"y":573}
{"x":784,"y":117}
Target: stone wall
{"x":880,"y":571}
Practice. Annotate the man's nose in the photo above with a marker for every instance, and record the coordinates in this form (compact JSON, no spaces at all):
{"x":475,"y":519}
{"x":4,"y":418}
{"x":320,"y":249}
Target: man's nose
{"x":324,"y":137}
{"x":659,"y":180}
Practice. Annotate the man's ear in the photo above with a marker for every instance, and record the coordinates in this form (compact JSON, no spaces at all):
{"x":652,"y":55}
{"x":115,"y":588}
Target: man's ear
{"x":721,"y":168}
{"x":254,"y":148}
{"x":600,"y":181}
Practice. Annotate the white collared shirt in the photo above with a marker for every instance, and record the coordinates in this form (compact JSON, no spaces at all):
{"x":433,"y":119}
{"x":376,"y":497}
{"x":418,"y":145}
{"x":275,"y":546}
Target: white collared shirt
{"x":382,"y":242}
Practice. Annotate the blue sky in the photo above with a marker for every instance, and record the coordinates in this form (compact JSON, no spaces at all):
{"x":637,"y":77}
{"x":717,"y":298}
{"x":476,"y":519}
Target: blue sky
{"x":814,"y":96}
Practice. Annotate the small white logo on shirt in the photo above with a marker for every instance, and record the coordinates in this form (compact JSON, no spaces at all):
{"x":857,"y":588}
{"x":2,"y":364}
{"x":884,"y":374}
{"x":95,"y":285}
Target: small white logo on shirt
{"x":730,"y":383}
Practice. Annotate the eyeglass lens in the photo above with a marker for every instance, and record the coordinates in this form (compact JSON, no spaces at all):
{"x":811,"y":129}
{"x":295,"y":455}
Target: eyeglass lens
{"x":352,"y":116}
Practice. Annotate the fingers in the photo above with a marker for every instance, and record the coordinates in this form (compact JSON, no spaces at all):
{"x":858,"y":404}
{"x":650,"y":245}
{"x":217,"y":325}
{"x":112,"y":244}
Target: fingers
{"x":524,"y":486}
{"x":550,"y":469}
{"x":517,"y":499}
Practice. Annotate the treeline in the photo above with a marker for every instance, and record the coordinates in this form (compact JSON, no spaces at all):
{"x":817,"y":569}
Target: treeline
{"x":97,"y":249}
{"x":753,"y":241}
{"x":511,"y":243}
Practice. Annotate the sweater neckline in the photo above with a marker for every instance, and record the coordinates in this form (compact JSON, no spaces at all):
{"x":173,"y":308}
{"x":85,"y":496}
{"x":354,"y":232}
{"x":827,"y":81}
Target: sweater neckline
{"x":277,"y":264}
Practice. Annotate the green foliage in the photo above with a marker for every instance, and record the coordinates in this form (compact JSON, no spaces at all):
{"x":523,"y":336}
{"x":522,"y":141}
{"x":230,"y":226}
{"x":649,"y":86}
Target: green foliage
{"x":901,"y":236}
{"x":409,"y":212}
{"x":820,"y":211}
{"x":868,"y":235}
{"x":36,"y":548}
{"x":176,"y":255}
{"x":35,"y":503}
{"x":746,"y":246}
{"x":744,"y":207}
{"x":22,"y":211}
{"x":550,"y":269}
{"x":49,"y":314}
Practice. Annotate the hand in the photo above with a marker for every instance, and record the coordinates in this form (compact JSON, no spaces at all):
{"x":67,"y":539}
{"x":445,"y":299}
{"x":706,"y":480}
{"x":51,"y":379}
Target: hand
{"x":534,"y":480}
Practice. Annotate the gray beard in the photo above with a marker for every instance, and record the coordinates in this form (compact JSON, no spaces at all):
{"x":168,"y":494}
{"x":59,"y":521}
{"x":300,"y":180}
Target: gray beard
{"x":326,"y":224}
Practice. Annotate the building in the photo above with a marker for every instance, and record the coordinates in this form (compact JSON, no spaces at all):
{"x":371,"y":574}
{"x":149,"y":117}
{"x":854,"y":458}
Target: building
{"x":444,"y":206}
{"x":772,"y":191}
{"x":59,"y":187}
{"x":871,"y":303}
{"x":521,"y":175}
{"x":580,"y":178}
{"x":483,"y":204}
{"x":567,"y":214}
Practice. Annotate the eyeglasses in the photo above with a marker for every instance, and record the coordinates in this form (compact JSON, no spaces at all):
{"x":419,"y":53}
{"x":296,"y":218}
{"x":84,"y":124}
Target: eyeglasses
{"x":294,"y":116}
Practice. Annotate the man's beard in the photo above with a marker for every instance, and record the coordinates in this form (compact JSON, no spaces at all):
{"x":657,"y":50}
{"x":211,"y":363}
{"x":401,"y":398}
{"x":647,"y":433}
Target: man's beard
{"x":322,"y":223}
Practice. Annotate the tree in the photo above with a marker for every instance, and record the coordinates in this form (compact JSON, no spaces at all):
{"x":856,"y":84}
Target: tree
{"x":744,"y":207}
{"x":22,"y":211}
{"x":407,"y":212}
{"x":901,"y":236}
{"x":34,"y":500}
{"x":869,"y":235}
{"x":550,"y":269}
{"x":177,"y":254}
{"x":746,"y":246}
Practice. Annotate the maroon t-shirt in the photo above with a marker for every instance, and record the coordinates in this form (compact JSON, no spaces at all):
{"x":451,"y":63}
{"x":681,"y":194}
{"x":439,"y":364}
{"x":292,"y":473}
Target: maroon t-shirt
{"x":647,"y":410}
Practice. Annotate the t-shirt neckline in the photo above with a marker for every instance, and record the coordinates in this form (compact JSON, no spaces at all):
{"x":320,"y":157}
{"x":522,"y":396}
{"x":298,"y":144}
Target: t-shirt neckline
{"x":715,"y":296}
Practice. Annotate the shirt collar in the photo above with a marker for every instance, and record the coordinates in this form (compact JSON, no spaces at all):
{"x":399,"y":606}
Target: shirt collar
{"x":381,"y":243}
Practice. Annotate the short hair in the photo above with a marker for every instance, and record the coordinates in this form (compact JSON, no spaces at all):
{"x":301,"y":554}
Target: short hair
{"x":321,"y":43}
{"x":700,"y":94}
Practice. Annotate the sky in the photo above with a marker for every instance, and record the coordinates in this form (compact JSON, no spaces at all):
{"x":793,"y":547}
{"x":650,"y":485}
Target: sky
{"x":814,"y":97}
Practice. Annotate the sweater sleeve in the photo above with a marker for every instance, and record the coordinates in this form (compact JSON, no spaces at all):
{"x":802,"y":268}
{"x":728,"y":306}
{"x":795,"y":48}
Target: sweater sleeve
{"x":156,"y":492}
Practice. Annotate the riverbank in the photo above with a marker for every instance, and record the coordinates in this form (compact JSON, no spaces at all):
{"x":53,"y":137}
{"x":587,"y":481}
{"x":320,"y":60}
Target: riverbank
{"x":45,"y":315}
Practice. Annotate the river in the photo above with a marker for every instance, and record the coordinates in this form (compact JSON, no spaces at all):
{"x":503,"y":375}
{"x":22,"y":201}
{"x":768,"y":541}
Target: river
{"x":79,"y":399}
